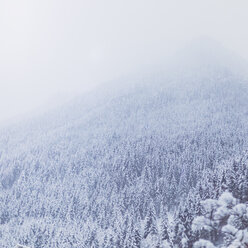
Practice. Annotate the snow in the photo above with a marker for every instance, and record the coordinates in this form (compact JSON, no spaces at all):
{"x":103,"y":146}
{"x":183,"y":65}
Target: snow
{"x":227,"y":200}
{"x":203,"y":244}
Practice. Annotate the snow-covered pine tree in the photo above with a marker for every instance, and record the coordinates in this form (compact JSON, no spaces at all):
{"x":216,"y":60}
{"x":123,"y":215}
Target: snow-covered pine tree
{"x":226,"y":222}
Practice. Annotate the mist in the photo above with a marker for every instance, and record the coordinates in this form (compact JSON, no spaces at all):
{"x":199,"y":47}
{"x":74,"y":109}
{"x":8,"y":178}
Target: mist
{"x":52,"y":50}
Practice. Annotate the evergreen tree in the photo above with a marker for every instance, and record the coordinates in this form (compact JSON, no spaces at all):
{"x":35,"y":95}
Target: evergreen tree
{"x":225,"y":220}
{"x":150,"y":222}
{"x":137,"y":239}
{"x":164,"y":227}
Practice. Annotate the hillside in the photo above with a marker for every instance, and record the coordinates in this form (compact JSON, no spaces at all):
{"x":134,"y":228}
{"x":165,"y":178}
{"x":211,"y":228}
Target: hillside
{"x":91,"y":172}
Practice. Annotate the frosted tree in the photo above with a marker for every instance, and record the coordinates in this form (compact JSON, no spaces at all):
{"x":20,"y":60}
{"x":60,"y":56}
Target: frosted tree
{"x":136,"y":239}
{"x":150,"y":222}
{"x":224,"y":223}
{"x":164,"y":227}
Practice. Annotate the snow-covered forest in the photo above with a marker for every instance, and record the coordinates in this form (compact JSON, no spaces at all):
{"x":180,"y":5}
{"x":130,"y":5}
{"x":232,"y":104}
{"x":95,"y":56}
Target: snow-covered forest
{"x":161,"y":161}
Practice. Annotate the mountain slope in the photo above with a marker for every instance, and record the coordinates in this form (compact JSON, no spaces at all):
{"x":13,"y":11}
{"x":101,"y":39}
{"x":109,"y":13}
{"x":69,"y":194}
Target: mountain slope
{"x":89,"y":171}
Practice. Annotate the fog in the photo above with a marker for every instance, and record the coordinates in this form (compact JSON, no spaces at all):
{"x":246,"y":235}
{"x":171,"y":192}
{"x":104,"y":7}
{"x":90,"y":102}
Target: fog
{"x":51,"y":50}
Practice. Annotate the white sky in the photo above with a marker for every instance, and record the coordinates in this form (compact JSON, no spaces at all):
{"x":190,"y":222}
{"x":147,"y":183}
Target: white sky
{"x":52,"y":49}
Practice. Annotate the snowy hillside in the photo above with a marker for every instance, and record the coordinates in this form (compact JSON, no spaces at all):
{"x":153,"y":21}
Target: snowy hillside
{"x":109,"y":168}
